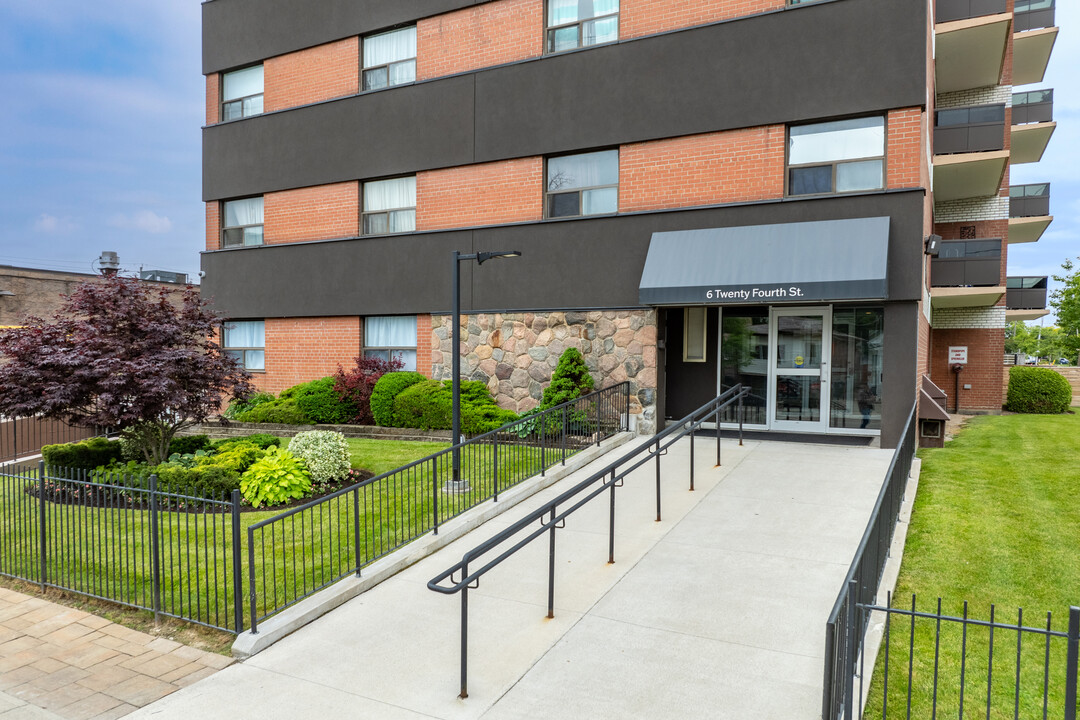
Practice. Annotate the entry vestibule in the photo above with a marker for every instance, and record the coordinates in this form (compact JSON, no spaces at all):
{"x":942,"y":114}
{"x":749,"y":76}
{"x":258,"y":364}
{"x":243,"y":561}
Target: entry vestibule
{"x":816,"y":369}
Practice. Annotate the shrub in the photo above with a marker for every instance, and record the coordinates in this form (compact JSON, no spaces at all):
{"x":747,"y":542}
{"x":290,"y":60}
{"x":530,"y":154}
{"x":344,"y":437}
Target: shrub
{"x":1037,"y":390}
{"x":570,"y":380}
{"x":239,"y":406}
{"x":355,"y":386}
{"x":386,"y":390}
{"x":275,"y":478}
{"x":85,"y":455}
{"x":479,"y":419}
{"x":211,"y":481}
{"x":189,"y":444}
{"x":284,"y":411}
{"x":320,"y":402}
{"x":262,"y":440}
{"x":428,"y":405}
{"x":325,"y":453}
{"x":237,"y":457}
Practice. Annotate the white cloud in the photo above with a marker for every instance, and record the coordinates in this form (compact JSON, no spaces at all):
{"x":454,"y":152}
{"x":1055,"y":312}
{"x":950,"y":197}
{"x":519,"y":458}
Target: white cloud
{"x":144,"y":220}
{"x":52,"y":225}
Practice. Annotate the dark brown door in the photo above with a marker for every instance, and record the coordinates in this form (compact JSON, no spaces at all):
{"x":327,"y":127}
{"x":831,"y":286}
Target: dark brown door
{"x":689,"y":385}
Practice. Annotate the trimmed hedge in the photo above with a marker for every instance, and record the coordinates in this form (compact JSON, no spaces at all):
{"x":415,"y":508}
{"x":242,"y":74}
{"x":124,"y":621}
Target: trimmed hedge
{"x":386,"y":391}
{"x":320,"y":402}
{"x":189,"y":444}
{"x":85,"y":455}
{"x":262,"y":440}
{"x":428,"y":405}
{"x":285,"y":411}
{"x":1037,"y":390}
{"x":205,"y":480}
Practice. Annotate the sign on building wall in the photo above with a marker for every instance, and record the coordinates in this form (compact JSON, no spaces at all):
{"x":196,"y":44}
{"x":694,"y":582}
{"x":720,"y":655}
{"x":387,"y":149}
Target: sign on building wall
{"x":958,"y":355}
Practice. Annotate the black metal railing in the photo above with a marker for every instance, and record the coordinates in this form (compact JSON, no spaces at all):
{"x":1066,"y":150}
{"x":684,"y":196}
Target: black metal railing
{"x":844,"y":631}
{"x":1033,"y":14}
{"x":936,"y":665}
{"x":24,"y":437}
{"x":301,"y":551}
{"x":967,"y":263}
{"x":1032,"y":200}
{"x":969,"y":129}
{"x":1034,"y":106}
{"x":121,"y":539}
{"x":949,"y":10}
{"x":1026,"y":293}
{"x":552,"y":515}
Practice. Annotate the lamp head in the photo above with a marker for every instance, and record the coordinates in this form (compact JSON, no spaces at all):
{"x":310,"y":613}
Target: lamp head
{"x":481,"y":257}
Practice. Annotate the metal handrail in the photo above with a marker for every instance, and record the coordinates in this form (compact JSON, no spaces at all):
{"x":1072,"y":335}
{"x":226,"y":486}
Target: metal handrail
{"x":612,"y":478}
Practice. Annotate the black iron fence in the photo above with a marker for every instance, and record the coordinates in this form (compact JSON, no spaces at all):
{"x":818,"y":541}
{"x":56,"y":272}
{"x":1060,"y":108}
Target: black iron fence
{"x":299,"y":552}
{"x":932,"y":665}
{"x":25,"y":436}
{"x":552,"y":516}
{"x":845,"y":630}
{"x":121,"y":539}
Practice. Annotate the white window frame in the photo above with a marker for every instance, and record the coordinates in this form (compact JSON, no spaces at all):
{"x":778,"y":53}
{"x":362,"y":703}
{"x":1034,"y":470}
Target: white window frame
{"x":242,"y":353}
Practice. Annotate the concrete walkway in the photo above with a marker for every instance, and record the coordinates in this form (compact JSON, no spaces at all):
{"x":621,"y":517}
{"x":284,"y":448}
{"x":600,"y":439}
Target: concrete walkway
{"x":60,"y":663}
{"x":716,"y":612}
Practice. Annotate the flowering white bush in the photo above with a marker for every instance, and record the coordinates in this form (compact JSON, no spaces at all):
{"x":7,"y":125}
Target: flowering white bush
{"x":325,"y":453}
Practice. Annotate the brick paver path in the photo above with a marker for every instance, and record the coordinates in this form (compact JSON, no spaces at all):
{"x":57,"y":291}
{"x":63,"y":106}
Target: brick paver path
{"x":58,"y":662}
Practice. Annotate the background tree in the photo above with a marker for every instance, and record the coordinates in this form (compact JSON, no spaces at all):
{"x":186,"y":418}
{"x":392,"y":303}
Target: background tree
{"x":1066,"y":303}
{"x":121,"y":354}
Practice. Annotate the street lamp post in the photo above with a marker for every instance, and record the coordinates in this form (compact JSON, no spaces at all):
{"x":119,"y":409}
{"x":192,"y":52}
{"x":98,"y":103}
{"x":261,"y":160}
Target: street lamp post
{"x":457,"y":485}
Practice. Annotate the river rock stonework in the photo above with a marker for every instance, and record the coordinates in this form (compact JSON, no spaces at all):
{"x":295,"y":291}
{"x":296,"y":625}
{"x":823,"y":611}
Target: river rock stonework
{"x":515,"y":354}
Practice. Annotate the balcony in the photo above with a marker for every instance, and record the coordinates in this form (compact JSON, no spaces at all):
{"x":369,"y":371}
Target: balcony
{"x":966,"y":273}
{"x":1032,"y":125}
{"x":1032,"y":15}
{"x":1025,"y":298}
{"x":969,"y":154}
{"x":1029,"y":212}
{"x":971,"y":37}
{"x":1033,"y":40}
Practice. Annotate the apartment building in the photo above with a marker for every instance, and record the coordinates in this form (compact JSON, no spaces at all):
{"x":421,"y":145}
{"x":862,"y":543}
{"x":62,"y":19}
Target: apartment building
{"x":811,"y":198}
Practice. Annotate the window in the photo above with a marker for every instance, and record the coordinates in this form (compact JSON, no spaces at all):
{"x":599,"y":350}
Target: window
{"x":242,"y":93}
{"x":579,"y":23}
{"x":245,"y":340}
{"x":837,"y":157}
{"x":242,"y":222}
{"x":583,"y":184}
{"x":390,"y":59}
{"x":694,"y":334}
{"x":390,"y":206}
{"x":386,"y":337}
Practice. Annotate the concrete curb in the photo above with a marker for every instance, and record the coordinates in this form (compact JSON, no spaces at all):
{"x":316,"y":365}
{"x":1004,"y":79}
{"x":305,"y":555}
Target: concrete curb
{"x":287,"y":621}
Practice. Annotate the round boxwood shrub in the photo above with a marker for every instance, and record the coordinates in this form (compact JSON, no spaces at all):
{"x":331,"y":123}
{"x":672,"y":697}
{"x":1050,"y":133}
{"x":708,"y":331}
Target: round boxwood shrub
{"x":428,"y":405}
{"x":1037,"y":390}
{"x":320,"y":402}
{"x":386,"y":390}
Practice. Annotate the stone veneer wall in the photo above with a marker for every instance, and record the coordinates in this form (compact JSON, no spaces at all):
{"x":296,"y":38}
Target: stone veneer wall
{"x":515,"y":353}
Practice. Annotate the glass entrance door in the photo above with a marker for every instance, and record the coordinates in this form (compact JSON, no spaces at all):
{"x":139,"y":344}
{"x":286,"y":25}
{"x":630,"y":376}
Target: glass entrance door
{"x":799,"y":368}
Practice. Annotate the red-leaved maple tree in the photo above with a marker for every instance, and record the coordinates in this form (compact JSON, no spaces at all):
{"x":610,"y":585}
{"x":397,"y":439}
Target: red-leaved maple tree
{"x":123,"y":354}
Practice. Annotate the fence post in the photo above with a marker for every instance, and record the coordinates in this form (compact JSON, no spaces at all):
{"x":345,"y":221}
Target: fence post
{"x":251,"y":581}
{"x":495,"y":465}
{"x":42,"y":524}
{"x":543,"y":449}
{"x":740,"y":415}
{"x":435,"y":494}
{"x":464,"y":633}
{"x":155,"y":549}
{"x":238,"y":576}
{"x":1071,"y":659}
{"x":657,"y":481}
{"x":565,"y":429}
{"x":692,"y":456}
{"x":596,"y":424}
{"x":851,"y":639}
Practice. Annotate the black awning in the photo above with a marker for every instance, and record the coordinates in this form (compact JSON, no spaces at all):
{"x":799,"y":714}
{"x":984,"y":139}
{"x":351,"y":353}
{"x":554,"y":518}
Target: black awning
{"x":767,"y":264}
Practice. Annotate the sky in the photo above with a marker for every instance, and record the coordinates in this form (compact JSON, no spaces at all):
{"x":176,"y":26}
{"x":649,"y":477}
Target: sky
{"x":100,"y":137}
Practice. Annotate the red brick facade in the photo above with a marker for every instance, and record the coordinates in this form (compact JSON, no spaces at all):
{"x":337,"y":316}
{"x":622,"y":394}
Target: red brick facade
{"x":498,"y":192}
{"x":213,"y":98}
{"x":986,"y":348}
{"x":320,"y":73}
{"x":646,"y":17}
{"x":478,"y":37}
{"x":906,"y":148}
{"x":213,"y":225}
{"x":302,"y":349}
{"x":731,"y":166}
{"x":323,"y":212}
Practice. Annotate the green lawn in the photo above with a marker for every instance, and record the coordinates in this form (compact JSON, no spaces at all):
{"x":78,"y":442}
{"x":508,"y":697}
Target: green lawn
{"x":996,"y":521}
{"x":294,"y":556}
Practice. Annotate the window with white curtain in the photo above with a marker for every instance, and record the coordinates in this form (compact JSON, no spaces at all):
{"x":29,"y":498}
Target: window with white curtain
{"x":837,"y":157}
{"x":242,"y":93}
{"x":391,"y":337}
{"x":390,"y":58}
{"x":586,"y":184}
{"x":245,"y":340}
{"x":390,"y":206}
{"x":242,"y":222}
{"x":695,"y":331}
{"x":579,"y":23}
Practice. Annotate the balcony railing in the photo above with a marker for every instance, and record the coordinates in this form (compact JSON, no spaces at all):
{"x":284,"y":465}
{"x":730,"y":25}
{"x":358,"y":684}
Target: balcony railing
{"x":970,"y":129}
{"x":967,"y":263}
{"x":1035,"y":106}
{"x":1025,"y":293}
{"x":1029,"y":200}
{"x":1032,"y":15}
{"x":949,"y":10}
